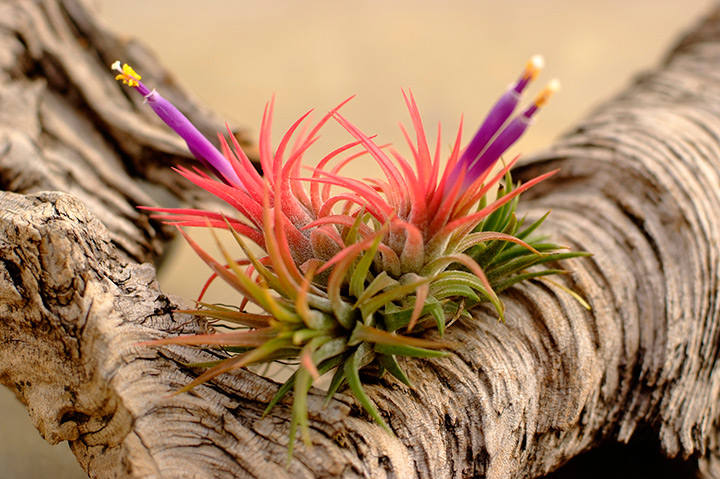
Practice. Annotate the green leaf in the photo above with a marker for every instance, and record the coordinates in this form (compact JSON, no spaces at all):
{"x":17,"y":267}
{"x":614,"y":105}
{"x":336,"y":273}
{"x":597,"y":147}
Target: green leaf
{"x":440,"y":263}
{"x":456,"y":278}
{"x":408,"y":351}
{"x":320,"y":303}
{"x":498,"y":273}
{"x":485,"y":257}
{"x":496,"y":221}
{"x":300,"y":336}
{"x":303,"y":382}
{"x":337,"y":381}
{"x":572,"y":293}
{"x":367,"y":334}
{"x":226,"y":314}
{"x":369,"y":307}
{"x":253,"y":356}
{"x":362,"y":356}
{"x":503,"y":285}
{"x":531,"y":229}
{"x":395,"y":317}
{"x":390,"y":363}
{"x":359,"y":275}
{"x":329,"y":356}
{"x":482,"y":203}
{"x":351,"y":236}
{"x":299,"y":417}
{"x":237,"y":349}
{"x":272,"y":280}
{"x":515,"y":251}
{"x":328,"y":351}
{"x":455,"y":291}
{"x":279,"y":354}
{"x":379,"y":283}
{"x":319,"y":321}
{"x":439,"y":315}
{"x":281,"y":393}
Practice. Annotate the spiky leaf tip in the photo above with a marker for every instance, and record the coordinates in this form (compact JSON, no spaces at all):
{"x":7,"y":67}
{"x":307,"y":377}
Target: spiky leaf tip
{"x":353,"y":272}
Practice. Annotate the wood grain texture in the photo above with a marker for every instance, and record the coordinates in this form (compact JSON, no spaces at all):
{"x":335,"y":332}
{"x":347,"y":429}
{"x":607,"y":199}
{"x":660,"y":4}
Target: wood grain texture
{"x":65,"y":125}
{"x":639,"y":187}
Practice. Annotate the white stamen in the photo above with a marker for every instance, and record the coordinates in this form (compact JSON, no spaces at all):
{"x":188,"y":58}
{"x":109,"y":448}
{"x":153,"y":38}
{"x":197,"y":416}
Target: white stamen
{"x":537,"y":61}
{"x":554,"y":85}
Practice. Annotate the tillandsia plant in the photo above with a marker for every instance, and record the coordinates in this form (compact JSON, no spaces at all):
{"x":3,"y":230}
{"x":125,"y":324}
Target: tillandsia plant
{"x":353,"y":271}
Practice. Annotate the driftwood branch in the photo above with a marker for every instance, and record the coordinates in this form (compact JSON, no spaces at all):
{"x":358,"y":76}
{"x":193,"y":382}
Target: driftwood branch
{"x":66,"y":126}
{"x":639,"y":187}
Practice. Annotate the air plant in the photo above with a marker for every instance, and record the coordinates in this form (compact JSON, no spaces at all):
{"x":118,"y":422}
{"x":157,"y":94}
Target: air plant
{"x":353,"y":271}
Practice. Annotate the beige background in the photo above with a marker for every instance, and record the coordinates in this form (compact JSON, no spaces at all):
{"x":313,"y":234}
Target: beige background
{"x":455,"y":55}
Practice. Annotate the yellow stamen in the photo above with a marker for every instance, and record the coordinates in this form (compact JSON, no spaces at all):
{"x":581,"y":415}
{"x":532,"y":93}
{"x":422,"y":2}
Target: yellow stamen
{"x":547,"y":92}
{"x":128,"y":76}
{"x":533,"y":67}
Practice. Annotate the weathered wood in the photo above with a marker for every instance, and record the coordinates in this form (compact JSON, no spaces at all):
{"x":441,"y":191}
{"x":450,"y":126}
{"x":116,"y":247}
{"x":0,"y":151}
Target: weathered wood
{"x":639,"y":187}
{"x":65,"y":125}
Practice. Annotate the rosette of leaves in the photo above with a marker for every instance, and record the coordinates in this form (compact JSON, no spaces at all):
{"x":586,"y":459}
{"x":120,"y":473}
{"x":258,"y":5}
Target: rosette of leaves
{"x":352,"y":271}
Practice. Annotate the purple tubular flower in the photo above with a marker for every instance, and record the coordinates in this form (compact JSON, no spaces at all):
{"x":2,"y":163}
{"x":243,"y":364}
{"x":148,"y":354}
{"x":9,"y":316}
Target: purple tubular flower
{"x":492,"y":140}
{"x":504,"y":140}
{"x":501,"y":111}
{"x":199,"y":146}
{"x":494,"y":120}
{"x":509,"y":135}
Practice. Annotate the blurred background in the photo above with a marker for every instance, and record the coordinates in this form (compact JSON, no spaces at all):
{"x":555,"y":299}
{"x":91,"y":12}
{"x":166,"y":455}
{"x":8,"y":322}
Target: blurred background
{"x":456,"y":56}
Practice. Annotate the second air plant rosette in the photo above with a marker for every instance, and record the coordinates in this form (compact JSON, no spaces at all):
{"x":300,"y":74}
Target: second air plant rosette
{"x":353,"y":271}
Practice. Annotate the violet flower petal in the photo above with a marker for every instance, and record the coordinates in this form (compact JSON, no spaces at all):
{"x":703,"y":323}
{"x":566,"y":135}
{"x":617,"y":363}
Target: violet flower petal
{"x":494,"y":120}
{"x":509,"y":135}
{"x":199,"y":146}
{"x":502,"y":110}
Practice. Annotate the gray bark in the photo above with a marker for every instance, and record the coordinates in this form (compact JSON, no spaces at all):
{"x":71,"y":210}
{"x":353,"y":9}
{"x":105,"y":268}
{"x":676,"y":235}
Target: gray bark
{"x":66,"y":126}
{"x":639,"y":187}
